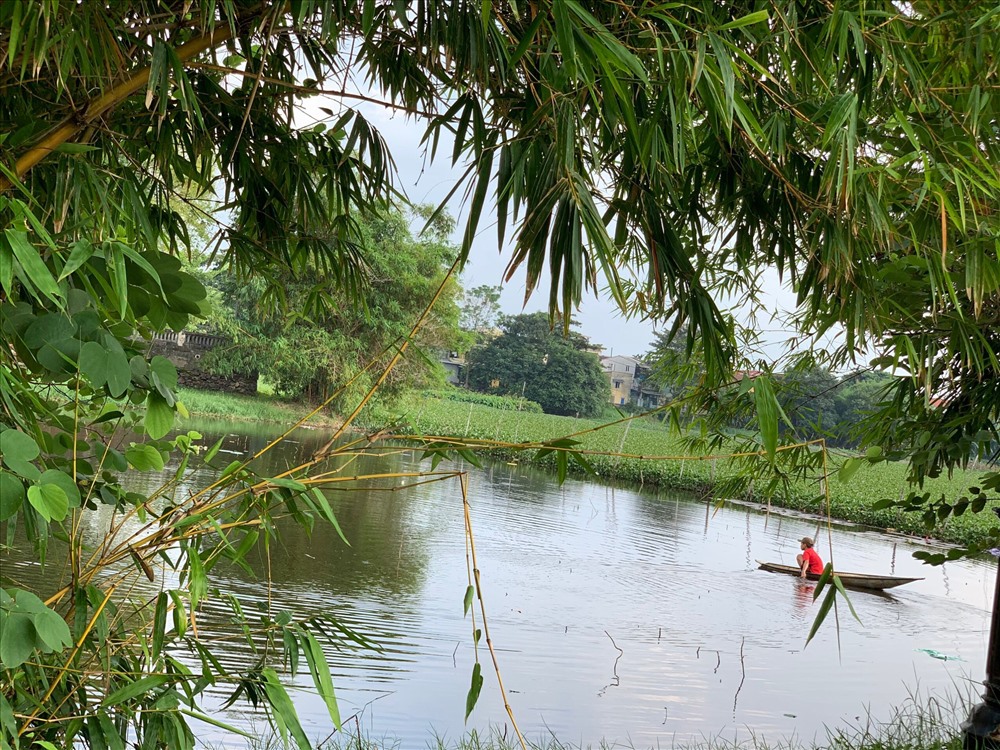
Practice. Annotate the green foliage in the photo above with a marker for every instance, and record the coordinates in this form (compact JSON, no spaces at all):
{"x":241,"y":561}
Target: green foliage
{"x":658,"y":457}
{"x":257,"y":408}
{"x":27,"y":626}
{"x":675,"y":359}
{"x":669,"y":152}
{"x":531,"y":359}
{"x":481,"y":311}
{"x":502,"y":403}
{"x":857,"y":398}
{"x":333,"y":335}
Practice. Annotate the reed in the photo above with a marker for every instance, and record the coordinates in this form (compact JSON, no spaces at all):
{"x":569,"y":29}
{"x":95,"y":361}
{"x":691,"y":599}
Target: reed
{"x":921,"y":723}
{"x":260,"y":408}
{"x":645,"y":453}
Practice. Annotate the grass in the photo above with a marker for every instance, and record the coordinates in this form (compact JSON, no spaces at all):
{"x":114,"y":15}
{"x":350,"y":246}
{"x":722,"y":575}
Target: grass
{"x":921,"y":723}
{"x":431,"y":415}
{"x":260,"y":408}
{"x":850,"y":501}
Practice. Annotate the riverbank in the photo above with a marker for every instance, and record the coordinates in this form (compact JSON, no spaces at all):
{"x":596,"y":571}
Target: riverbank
{"x":260,"y":408}
{"x":431,"y":415}
{"x":849,"y":501}
{"x":924,"y":723}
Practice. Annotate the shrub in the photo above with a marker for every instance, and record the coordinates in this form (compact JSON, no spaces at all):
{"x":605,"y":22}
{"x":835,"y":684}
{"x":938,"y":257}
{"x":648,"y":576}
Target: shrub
{"x":503,"y":403}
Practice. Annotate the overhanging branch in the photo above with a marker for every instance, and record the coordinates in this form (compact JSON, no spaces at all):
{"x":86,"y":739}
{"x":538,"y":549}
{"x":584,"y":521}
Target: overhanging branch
{"x":98,"y":107}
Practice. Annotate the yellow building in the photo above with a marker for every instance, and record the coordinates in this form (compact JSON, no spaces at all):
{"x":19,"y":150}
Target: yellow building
{"x":621,"y":372}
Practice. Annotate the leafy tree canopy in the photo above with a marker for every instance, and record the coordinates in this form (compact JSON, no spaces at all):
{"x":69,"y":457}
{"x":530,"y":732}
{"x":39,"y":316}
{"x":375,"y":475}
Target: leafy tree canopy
{"x":533,"y":360}
{"x":330,"y":337}
{"x":665,"y":151}
{"x":481,"y":311}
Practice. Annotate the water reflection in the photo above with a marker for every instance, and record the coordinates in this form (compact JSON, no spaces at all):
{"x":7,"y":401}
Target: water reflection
{"x":803,"y":595}
{"x":617,"y":614}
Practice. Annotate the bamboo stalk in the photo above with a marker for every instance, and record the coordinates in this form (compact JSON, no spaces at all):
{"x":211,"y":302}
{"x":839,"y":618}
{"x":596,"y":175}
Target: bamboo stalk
{"x":96,"y":108}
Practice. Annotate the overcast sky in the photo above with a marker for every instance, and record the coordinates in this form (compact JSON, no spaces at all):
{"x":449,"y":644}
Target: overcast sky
{"x":598,"y":317}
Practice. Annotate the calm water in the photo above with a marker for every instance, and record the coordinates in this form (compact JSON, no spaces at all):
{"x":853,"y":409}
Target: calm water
{"x":617,"y":614}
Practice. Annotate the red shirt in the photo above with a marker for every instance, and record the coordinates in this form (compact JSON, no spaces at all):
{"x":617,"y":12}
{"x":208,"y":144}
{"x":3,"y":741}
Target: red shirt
{"x":812,"y":557}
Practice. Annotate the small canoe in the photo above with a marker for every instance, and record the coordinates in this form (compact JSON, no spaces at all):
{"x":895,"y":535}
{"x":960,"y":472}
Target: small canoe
{"x":850,"y":580}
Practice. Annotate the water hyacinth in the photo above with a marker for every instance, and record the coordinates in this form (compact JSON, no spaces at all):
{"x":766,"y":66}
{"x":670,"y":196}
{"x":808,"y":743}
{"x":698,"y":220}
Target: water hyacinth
{"x":644,"y":452}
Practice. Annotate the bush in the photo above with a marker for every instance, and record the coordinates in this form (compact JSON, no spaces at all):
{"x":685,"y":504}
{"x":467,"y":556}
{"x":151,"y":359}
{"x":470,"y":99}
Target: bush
{"x":503,"y":403}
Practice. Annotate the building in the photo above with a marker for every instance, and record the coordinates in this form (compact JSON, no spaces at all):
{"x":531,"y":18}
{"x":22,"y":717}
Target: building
{"x":621,"y":372}
{"x":454,"y":367}
{"x":630,"y":384}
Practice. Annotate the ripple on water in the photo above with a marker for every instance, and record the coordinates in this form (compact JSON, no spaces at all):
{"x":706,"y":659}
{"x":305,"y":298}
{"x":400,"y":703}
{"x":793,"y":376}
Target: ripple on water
{"x":615,"y":613}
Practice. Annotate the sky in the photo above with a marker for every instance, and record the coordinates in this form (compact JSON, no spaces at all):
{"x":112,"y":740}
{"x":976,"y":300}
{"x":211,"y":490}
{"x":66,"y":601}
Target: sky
{"x":426,"y":182}
{"x":598,"y":317}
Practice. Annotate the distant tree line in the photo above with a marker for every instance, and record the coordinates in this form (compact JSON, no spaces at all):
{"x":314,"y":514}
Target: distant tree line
{"x":816,"y":402}
{"x":332,"y":335}
{"x":533,"y":357}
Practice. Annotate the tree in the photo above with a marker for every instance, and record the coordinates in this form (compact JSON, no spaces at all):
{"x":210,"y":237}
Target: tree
{"x":857,"y":399}
{"x":480,"y":311}
{"x":675,"y":360}
{"x":669,"y":153}
{"x":531,"y":359}
{"x":807,"y":395}
{"x":333,"y":336}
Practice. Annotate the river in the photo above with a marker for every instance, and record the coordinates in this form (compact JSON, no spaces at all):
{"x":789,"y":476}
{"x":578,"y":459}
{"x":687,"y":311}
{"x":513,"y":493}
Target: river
{"x":617,"y":614}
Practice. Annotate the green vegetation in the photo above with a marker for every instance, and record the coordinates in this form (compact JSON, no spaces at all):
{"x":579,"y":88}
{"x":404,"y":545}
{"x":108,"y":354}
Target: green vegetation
{"x":480,"y":312}
{"x":503,"y":403}
{"x":336,"y":330}
{"x":643,"y":439}
{"x":668,"y":151}
{"x":548,"y":365}
{"x":919,"y":724}
{"x":258,"y":408}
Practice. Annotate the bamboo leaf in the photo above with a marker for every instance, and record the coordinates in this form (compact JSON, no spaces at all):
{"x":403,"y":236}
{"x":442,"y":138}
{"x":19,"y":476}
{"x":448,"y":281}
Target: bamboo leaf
{"x":213,"y":451}
{"x":320,"y":670}
{"x":327,"y":512}
{"x":767,"y":414}
{"x":116,"y":265}
{"x":6,"y":271}
{"x":135,"y":689}
{"x":760,"y":16}
{"x":282,"y":710}
{"x":159,"y":623}
{"x":197,"y":580}
{"x":35,"y":271}
{"x":474,"y":689}
{"x":81,"y":252}
{"x":208,"y":719}
{"x":824,"y":610}
{"x":843,"y":592}
{"x":467,"y":604}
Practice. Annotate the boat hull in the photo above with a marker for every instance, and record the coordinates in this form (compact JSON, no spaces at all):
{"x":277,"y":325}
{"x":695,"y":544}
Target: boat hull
{"x":850,"y":580}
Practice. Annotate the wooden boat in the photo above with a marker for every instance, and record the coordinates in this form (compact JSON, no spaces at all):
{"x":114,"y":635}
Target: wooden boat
{"x":850,"y":580}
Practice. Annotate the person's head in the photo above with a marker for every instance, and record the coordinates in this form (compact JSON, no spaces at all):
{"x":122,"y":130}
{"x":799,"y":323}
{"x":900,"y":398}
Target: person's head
{"x":806,"y":542}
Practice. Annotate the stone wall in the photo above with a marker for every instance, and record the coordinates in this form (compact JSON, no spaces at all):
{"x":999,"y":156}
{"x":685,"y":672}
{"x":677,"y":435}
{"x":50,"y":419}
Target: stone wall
{"x":186,"y":350}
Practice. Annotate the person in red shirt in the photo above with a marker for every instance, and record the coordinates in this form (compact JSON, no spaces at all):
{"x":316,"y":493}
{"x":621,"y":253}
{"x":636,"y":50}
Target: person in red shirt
{"x":809,"y":561}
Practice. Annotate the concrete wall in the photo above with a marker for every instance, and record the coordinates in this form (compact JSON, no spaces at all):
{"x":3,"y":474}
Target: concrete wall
{"x":186,"y":350}
{"x":620,"y":372}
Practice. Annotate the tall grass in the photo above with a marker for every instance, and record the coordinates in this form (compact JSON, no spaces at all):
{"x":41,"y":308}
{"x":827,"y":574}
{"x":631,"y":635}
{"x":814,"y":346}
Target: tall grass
{"x":260,"y":408}
{"x":851,"y":501}
{"x":921,"y":723}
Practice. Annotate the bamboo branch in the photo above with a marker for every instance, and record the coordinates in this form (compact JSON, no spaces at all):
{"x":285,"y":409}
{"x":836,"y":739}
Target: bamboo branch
{"x":97,"y":108}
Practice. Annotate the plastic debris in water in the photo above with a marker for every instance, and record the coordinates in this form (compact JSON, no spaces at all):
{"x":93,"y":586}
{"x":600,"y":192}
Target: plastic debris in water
{"x":995,"y":551}
{"x":938,"y":655}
